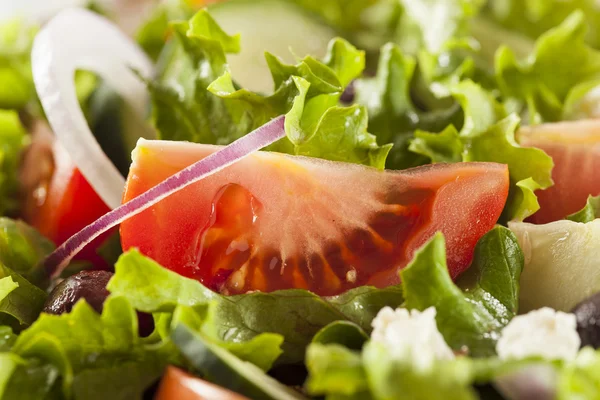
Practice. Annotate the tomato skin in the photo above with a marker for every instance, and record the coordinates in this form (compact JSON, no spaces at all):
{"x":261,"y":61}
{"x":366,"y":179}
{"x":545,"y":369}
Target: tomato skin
{"x":61,"y":202}
{"x":575,"y":149}
{"x":272,"y":221}
{"x":179,"y":385}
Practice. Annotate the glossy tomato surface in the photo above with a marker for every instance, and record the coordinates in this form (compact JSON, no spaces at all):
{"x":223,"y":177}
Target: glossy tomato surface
{"x":575,"y":149}
{"x":274,"y":221}
{"x":179,"y":385}
{"x":59,"y":201}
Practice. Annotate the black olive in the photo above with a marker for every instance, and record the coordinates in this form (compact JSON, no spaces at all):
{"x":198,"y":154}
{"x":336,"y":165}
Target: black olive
{"x":588,"y":321}
{"x":348,"y":95}
{"x":89,"y":285}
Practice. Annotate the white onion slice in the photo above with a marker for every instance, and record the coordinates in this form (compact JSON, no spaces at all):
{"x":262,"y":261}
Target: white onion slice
{"x":254,"y":141}
{"x":79,"y":39}
{"x":35,"y":10}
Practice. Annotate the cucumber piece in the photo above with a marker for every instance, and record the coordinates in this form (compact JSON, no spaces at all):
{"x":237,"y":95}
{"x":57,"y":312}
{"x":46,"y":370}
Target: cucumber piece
{"x":224,"y":369}
{"x":116,"y":126}
{"x":276,"y":26}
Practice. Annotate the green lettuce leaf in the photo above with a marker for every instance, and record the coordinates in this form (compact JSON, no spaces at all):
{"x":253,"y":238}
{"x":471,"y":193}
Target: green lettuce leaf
{"x":22,"y":379}
{"x":393,"y":115}
{"x":297,"y":315}
{"x":262,"y":350}
{"x":344,"y":333}
{"x":340,"y":373}
{"x":487,"y":135}
{"x":498,"y":144}
{"x":468,"y":319}
{"x":19,"y":299}
{"x":197,"y":100}
{"x":153,"y":34}
{"x":435,"y":25}
{"x":590,"y":212}
{"x":347,"y":16}
{"x":534,"y":17}
{"x":7,"y":338}
{"x":392,"y":378}
{"x":534,"y":80}
{"x":16,"y":38}
{"x":12,"y":143}
{"x":445,"y":146}
{"x":22,"y":276}
{"x":335,"y":369}
{"x":580,"y":378}
{"x":22,"y":249}
{"x":87,"y":349}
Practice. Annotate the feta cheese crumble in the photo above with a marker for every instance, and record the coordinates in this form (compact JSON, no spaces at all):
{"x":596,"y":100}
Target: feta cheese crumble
{"x":412,"y":336}
{"x":543,"y":333}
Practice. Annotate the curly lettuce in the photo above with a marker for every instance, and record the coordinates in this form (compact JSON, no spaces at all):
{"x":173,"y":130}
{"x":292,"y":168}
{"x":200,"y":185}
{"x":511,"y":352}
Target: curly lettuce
{"x":196,"y":98}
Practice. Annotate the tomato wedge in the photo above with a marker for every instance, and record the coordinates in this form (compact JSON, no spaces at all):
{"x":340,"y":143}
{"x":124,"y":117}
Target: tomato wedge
{"x":273,"y":221}
{"x":59,"y":201}
{"x":575,"y":149}
{"x":179,"y":385}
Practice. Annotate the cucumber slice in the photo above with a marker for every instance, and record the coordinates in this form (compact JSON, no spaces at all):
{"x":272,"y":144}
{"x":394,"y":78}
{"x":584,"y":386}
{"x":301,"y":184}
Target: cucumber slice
{"x":276,"y":26}
{"x":224,"y":369}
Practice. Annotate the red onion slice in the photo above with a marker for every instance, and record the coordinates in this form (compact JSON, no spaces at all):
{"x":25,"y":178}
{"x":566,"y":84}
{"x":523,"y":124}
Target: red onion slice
{"x":254,"y":141}
{"x":79,"y":39}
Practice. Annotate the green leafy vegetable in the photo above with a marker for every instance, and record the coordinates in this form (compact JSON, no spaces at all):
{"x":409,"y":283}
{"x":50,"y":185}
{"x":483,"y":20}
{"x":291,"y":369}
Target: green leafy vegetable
{"x":498,"y":144}
{"x":153,"y":34}
{"x":393,"y":117}
{"x":590,"y":212}
{"x":534,"y":80}
{"x":335,"y":369}
{"x":297,"y":315}
{"x":344,"y":15}
{"x":27,"y":379}
{"x":436,"y":24}
{"x":580,"y":378}
{"x":22,"y":249}
{"x":88,"y":349}
{"x":470,"y":319}
{"x":445,"y":146}
{"x":19,"y":299}
{"x":340,"y":373}
{"x":391,"y":378}
{"x":197,"y":100}
{"x":16,"y":39}
{"x":262,"y":350}
{"x":344,"y":333}
{"x":12,"y":143}
{"x":486,"y":140}
{"x":7,"y":338}
{"x":534,"y":17}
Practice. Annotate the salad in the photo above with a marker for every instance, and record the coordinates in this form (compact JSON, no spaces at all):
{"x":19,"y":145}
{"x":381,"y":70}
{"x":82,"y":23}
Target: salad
{"x":300,"y":199}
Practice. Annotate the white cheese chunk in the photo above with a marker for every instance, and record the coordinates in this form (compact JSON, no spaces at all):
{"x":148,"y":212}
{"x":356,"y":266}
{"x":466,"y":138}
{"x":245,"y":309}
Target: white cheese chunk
{"x":541,"y":333}
{"x":411,"y":336}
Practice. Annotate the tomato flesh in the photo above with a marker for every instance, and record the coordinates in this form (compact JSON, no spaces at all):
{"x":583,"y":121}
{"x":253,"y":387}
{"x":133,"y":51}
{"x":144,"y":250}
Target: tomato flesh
{"x":274,"y":221}
{"x":179,"y":385}
{"x":575,"y":150}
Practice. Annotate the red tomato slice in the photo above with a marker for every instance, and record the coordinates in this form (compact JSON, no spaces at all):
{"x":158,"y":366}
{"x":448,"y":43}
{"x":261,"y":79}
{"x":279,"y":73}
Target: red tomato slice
{"x":575,"y":149}
{"x":179,"y":385}
{"x":274,"y":221}
{"x":60,"y":202}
